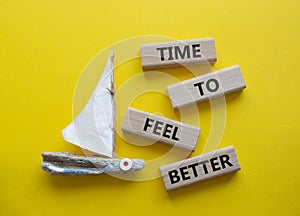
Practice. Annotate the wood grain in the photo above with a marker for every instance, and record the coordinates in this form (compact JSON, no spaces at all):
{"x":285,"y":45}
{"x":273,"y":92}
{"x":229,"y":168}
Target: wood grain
{"x":161,"y":129}
{"x":200,"y":168}
{"x":178,"y":53}
{"x":65,"y":163}
{"x":207,"y":86}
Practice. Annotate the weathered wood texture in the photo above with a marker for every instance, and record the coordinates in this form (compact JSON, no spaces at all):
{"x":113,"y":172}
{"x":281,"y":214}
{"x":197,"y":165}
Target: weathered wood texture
{"x":161,"y":129}
{"x":207,"y":86}
{"x":200,"y":168}
{"x":64,"y":163}
{"x":178,"y":53}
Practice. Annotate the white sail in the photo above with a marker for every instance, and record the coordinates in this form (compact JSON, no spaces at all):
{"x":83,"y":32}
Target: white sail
{"x":94,"y":128}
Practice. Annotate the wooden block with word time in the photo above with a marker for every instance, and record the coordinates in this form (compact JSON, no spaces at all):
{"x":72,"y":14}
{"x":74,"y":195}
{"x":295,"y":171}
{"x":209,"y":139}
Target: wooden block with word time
{"x":200,"y":168}
{"x":161,"y":129}
{"x":207,"y":86}
{"x":177,"y":53}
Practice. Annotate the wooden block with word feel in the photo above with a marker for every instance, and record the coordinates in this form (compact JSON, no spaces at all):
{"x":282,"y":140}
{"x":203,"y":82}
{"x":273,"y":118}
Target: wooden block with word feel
{"x":207,"y":86}
{"x":177,"y":53}
{"x":161,"y":129}
{"x":200,"y":168}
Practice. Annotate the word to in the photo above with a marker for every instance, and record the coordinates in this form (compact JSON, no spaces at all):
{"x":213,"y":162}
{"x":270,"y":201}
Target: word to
{"x":207,"y":86}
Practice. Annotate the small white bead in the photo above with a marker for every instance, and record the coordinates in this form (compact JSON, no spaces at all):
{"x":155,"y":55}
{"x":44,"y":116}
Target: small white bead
{"x":125,"y":164}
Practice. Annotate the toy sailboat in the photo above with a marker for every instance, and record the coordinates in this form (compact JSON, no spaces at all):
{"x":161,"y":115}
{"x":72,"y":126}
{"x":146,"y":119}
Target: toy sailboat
{"x":94,"y":130}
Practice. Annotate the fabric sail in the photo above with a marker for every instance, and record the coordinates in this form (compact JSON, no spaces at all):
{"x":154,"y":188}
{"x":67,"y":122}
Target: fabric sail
{"x":94,"y":128}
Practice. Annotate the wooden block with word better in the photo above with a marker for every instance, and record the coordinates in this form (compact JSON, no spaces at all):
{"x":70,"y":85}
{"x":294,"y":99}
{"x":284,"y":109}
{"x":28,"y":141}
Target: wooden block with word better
{"x":207,"y":86}
{"x":177,"y":53}
{"x":200,"y":168}
{"x":161,"y":129}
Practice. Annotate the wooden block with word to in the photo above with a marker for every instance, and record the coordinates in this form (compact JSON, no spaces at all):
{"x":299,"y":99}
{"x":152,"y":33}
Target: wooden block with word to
{"x":207,"y":86}
{"x":161,"y":129}
{"x":200,"y":168}
{"x":177,"y":53}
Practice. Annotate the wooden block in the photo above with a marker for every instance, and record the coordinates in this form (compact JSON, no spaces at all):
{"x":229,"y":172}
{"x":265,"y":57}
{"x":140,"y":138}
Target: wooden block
{"x":161,"y":129}
{"x":177,"y":53}
{"x":203,"y":87}
{"x":200,"y":168}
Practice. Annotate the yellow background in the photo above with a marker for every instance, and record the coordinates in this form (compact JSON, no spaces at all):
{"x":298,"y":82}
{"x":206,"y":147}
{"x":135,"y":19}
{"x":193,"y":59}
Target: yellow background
{"x":44,"y":47}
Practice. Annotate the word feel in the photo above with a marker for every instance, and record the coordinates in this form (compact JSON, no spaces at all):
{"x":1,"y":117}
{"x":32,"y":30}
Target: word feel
{"x":161,"y":128}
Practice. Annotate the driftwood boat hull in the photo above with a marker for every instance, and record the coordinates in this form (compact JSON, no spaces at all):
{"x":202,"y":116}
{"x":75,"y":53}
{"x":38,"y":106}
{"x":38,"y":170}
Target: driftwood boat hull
{"x":64,"y":163}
